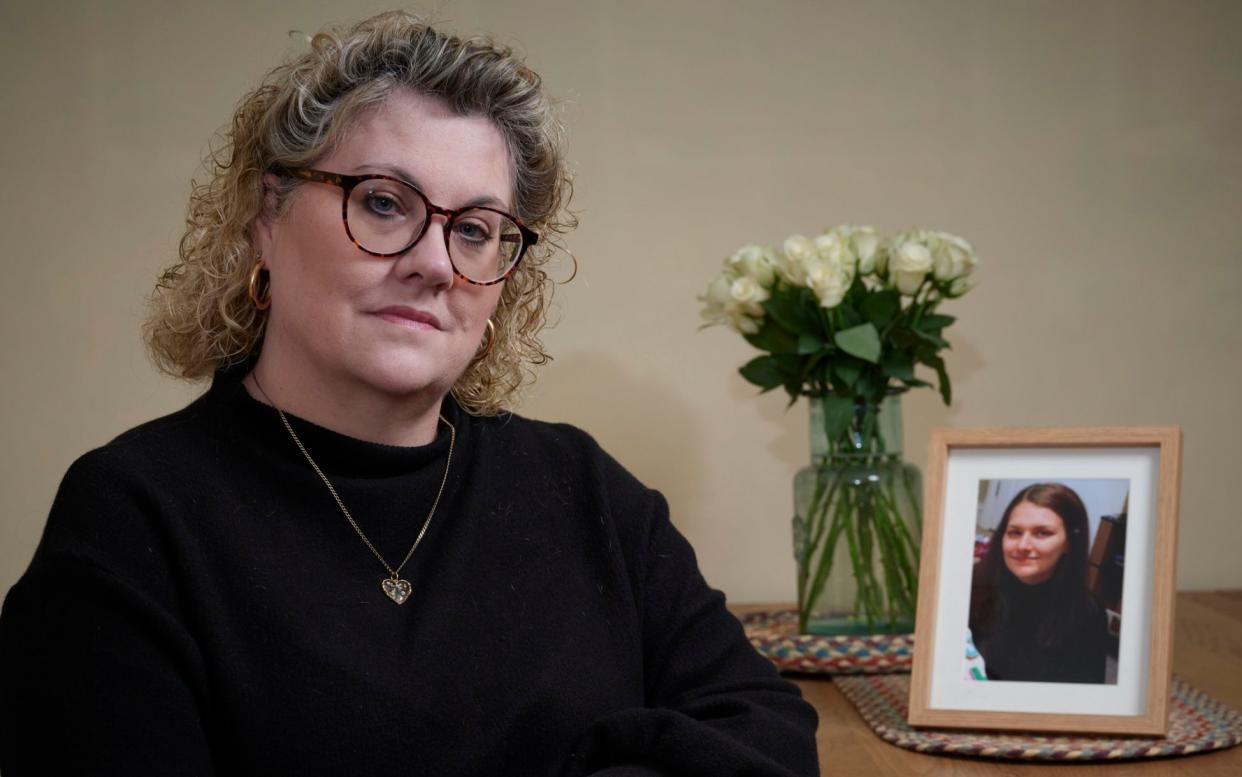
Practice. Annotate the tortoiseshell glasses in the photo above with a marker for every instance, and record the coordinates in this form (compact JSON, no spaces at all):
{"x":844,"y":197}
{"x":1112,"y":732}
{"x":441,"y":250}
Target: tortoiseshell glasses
{"x":386,"y":216}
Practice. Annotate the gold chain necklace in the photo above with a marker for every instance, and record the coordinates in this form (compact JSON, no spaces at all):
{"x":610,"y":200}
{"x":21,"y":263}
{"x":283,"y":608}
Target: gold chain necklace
{"x":393,"y":586}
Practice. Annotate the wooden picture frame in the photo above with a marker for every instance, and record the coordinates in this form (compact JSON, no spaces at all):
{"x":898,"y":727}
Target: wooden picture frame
{"x":970,"y":474}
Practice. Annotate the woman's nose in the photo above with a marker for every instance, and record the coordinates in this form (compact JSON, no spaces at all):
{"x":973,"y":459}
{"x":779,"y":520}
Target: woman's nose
{"x":1024,"y":542}
{"x":429,"y":257}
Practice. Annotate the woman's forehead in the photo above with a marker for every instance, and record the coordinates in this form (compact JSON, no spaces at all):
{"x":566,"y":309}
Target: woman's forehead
{"x":1027,"y":514}
{"x":450,"y":157}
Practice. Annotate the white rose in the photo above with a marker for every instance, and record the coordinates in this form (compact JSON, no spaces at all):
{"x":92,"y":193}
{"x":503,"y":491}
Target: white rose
{"x":881,"y":258}
{"x":831,"y":248}
{"x":952,"y":258}
{"x":747,"y":295}
{"x":741,"y":312}
{"x":744,"y":324}
{"x":828,"y":280}
{"x":832,"y":290}
{"x":798,"y":250}
{"x":959,"y":286}
{"x":908,"y":266}
{"x":866,"y":244}
{"x":716,"y":299}
{"x":755,"y":261}
{"x":718,"y":291}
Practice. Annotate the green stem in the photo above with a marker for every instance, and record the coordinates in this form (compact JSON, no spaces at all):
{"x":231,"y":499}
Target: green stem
{"x":821,"y":509}
{"x":915,"y":499}
{"x":898,"y":572}
{"x":865,"y":515}
{"x":827,"y":482}
{"x":816,"y":520}
{"x":900,"y":534}
{"x":901,"y":531}
{"x":867,"y":601}
{"x":892,"y":561}
{"x":824,"y":567}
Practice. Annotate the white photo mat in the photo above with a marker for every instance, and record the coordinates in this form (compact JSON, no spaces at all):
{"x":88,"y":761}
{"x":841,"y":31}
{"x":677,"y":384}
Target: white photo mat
{"x":965,"y":468}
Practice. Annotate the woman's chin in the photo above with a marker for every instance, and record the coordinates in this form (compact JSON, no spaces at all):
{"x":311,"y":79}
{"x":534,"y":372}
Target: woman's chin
{"x":1031,"y":578}
{"x":398,"y":379}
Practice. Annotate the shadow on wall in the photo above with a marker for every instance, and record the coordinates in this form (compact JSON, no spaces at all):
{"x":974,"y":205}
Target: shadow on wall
{"x":646,"y":427}
{"x":923,"y":409}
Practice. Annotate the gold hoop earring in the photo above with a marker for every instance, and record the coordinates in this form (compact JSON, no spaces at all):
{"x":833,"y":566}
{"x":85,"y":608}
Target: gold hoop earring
{"x":260,"y":302}
{"x":486,"y":348}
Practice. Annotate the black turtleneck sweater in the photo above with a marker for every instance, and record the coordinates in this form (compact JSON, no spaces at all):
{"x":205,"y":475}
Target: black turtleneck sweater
{"x":199,"y":605}
{"x":1031,"y":635}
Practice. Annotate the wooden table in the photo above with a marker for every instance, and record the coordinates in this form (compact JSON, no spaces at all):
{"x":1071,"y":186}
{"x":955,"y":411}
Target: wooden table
{"x":1207,"y":653}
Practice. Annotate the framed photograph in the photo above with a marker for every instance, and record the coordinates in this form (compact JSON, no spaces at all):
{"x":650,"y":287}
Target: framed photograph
{"x":1047,"y":580}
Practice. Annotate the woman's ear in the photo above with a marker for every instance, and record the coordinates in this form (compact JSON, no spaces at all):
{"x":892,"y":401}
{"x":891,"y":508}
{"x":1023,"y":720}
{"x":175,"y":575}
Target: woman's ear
{"x":263,"y":228}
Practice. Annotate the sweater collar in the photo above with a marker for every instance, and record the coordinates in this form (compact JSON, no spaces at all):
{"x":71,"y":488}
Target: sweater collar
{"x":336,"y":453}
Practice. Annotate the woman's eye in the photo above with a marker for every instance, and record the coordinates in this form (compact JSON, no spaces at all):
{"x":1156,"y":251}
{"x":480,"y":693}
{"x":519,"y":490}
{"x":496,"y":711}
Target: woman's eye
{"x":472,"y":231}
{"x":383,"y":205}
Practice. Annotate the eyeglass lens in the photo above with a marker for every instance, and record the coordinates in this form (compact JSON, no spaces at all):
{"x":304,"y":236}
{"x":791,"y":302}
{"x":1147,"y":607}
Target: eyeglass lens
{"x":384,"y":217}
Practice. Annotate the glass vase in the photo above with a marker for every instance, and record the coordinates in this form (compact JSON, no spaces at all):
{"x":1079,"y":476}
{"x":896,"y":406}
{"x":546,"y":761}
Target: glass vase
{"x":857,"y":525}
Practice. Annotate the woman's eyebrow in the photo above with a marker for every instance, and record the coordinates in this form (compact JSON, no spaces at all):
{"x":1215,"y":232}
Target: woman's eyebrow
{"x":397,"y":171}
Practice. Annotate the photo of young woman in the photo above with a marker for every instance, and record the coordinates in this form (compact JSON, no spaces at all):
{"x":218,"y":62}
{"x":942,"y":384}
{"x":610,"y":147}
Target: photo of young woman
{"x":1036,"y":613}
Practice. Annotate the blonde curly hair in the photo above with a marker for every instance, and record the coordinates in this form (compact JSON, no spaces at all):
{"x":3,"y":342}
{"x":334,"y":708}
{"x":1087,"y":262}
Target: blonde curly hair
{"x":201,"y":317}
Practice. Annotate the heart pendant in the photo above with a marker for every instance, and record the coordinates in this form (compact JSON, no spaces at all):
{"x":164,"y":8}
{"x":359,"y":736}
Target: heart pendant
{"x":398,"y":590}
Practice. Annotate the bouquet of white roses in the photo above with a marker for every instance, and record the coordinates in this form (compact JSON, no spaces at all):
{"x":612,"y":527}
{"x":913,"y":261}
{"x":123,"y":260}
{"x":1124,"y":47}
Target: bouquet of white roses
{"x":845,"y":315}
{"x":844,"y":318}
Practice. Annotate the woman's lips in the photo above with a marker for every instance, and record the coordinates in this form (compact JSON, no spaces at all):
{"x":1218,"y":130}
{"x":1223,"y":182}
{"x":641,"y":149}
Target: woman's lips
{"x":408,"y":317}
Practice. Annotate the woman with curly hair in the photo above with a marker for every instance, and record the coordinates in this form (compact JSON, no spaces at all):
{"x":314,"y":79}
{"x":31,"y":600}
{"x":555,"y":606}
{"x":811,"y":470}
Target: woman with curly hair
{"x":346,"y":557}
{"x":1032,"y":616}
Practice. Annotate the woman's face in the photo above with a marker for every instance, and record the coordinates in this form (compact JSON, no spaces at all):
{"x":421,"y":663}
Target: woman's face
{"x":1034,"y":542}
{"x":344,"y":322}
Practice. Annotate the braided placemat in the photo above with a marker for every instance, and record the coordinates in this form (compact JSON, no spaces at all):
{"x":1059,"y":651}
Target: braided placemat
{"x":774,"y":633}
{"x":1197,"y":724}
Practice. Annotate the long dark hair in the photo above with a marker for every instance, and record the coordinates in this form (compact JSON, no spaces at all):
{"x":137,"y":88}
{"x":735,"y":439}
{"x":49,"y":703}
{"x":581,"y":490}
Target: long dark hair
{"x":995,"y":588}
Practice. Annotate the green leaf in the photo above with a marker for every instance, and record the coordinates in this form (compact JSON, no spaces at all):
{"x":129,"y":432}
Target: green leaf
{"x":934,"y":322}
{"x":857,"y":288}
{"x":812,"y":367}
{"x":793,"y":396}
{"x":881,"y":307}
{"x":946,"y":386}
{"x":774,"y":338}
{"x":862,"y":341}
{"x":809,"y":343}
{"x":790,"y":364}
{"x":865,"y":386}
{"x":794,"y":368}
{"x":847,"y":369}
{"x":942,"y":375}
{"x":935,"y":340}
{"x":899,"y":365}
{"x":823,"y":371}
{"x":925,"y":354}
{"x":764,"y":372}
{"x":788,"y":307}
{"x":849,"y":316}
{"x":902,"y":337}
{"x":838,"y":413}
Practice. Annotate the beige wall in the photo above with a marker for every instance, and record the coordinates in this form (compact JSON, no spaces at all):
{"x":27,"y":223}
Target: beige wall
{"x":1091,"y":151}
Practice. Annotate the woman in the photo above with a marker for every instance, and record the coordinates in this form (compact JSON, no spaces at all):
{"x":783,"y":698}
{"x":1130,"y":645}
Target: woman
{"x":1031,"y":615}
{"x":342,"y":559}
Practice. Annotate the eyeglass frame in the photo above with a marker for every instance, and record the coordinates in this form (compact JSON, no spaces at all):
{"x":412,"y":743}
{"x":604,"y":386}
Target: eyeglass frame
{"x":348,"y":183}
